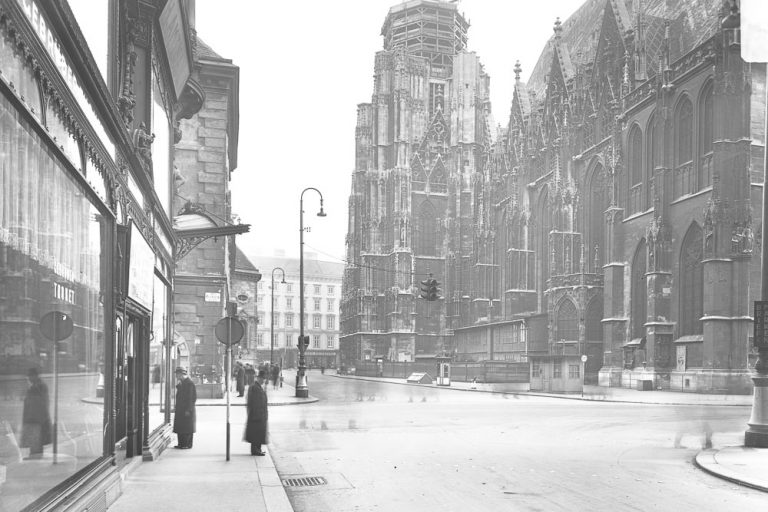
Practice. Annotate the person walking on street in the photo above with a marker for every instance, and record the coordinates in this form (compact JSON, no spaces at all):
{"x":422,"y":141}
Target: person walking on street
{"x":184,"y":420}
{"x":250,"y":374}
{"x":36,"y":419}
{"x":240,"y":378}
{"x":256,"y":424}
{"x":275,"y":374}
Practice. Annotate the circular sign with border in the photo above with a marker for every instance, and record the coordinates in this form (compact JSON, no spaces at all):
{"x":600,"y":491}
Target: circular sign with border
{"x":584,"y":358}
{"x":56,"y":326}
{"x":229,"y":330}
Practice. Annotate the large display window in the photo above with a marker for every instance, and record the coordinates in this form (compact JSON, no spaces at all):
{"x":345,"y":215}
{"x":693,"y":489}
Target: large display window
{"x":51,"y":260}
{"x":158,"y":361}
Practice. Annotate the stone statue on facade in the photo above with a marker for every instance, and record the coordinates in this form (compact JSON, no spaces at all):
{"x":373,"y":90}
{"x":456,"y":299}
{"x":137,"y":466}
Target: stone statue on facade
{"x":142,"y":141}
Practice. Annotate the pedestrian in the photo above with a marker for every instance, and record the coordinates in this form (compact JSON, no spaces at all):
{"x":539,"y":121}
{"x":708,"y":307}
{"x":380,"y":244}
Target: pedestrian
{"x":250,"y":374}
{"x":240,"y":378}
{"x":36,"y":418}
{"x":156,"y":375}
{"x":184,"y":421}
{"x":275,"y":375}
{"x":256,"y":424}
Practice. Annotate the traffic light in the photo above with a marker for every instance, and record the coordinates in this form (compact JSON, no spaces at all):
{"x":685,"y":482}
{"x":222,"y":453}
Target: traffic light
{"x":434,"y":291}
{"x":424,"y":291}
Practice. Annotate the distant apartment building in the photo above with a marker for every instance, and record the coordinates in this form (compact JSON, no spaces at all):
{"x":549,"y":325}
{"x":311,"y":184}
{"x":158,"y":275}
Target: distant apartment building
{"x":322,"y":293}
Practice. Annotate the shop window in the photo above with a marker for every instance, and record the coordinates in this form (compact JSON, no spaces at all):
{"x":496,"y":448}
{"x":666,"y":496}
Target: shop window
{"x":51,"y":259}
{"x":15,"y":70}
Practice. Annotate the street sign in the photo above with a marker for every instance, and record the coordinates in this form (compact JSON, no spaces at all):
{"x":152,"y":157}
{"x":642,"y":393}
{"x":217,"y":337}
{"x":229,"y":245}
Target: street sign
{"x":229,"y":330}
{"x":56,"y":326}
{"x":584,"y":358}
{"x":760,"y":339}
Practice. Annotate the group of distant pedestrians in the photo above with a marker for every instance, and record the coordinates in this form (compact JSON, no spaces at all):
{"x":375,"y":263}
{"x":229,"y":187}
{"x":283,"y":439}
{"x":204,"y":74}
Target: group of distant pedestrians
{"x":184,"y":420}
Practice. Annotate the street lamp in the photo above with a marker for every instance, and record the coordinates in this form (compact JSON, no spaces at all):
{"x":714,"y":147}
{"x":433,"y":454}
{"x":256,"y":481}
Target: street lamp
{"x":302,"y":389}
{"x":272,"y":318}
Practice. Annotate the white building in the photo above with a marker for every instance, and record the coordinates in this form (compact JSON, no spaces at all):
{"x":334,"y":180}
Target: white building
{"x":322,"y":294}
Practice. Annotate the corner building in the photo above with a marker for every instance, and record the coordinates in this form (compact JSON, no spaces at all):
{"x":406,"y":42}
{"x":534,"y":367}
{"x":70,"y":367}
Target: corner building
{"x":615,"y":216}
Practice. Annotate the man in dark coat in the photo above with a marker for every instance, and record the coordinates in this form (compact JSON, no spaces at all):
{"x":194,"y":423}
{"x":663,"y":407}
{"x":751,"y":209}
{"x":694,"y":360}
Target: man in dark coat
{"x":250,"y":374}
{"x":240,"y":378}
{"x":184,"y":420}
{"x":36,"y":418}
{"x":256,"y":424}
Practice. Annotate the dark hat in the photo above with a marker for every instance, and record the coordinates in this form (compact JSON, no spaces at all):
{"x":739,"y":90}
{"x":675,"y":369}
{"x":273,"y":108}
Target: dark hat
{"x":181,"y":370}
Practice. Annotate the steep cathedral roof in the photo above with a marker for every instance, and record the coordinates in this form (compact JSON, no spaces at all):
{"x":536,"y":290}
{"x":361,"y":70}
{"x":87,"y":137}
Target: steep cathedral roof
{"x":691,"y":22}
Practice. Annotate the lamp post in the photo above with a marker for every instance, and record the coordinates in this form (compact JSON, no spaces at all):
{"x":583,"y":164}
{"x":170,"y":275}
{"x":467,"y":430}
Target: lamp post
{"x":302,"y":389}
{"x":272,"y":312}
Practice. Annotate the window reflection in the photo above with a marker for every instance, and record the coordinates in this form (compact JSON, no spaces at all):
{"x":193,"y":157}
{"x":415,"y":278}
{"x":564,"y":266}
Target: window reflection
{"x":50,"y":260}
{"x":157,"y":356}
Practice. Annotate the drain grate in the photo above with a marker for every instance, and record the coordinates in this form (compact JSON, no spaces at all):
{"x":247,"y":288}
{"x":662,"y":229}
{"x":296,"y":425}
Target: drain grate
{"x":306,"y":481}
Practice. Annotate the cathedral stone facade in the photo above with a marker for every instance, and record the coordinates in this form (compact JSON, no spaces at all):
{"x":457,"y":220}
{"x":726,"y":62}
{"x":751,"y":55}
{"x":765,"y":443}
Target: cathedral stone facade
{"x":615,"y":216}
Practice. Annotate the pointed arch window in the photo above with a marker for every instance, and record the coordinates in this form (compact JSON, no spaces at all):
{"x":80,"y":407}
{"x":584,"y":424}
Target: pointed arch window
{"x":652,"y":136}
{"x":684,"y":182}
{"x":706,"y":137}
{"x":567,"y":322}
{"x":426,"y":237}
{"x":598,"y":203}
{"x":542,"y":245}
{"x":635,"y":164}
{"x":691,"y":283}
{"x":639,"y":291}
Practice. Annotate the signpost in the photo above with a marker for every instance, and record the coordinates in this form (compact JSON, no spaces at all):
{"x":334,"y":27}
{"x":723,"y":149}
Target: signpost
{"x":583,"y":366}
{"x":229,"y":331}
{"x":56,"y":326}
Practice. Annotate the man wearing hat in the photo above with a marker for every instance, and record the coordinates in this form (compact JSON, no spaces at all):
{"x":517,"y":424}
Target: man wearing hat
{"x":184,"y":419}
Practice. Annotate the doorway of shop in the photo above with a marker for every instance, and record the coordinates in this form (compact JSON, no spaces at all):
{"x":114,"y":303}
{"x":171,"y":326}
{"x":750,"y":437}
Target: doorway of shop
{"x":132,"y":336}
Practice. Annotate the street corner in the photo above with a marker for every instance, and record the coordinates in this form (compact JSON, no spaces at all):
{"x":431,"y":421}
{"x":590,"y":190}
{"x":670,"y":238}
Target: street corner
{"x":738,"y":464}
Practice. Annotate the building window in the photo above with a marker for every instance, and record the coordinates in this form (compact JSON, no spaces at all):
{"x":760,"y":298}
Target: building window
{"x":557,"y":370}
{"x":260,"y":285}
{"x":260,"y":300}
{"x":289,"y":319}
{"x":315,"y":341}
{"x":536,"y":369}
{"x":260,"y":319}
{"x":331,"y":289}
{"x":317,"y":289}
{"x":573,"y":371}
{"x":316,"y":321}
{"x":288,"y":287}
{"x":331,"y":341}
{"x":684,"y":182}
{"x":691,"y":283}
{"x":635,"y":162}
{"x":276,"y":319}
{"x":331,"y":304}
{"x":289,"y":303}
{"x":306,"y":319}
{"x":652,"y":148}
{"x":330,"y":322}
{"x":567,"y":322}
{"x":260,"y":339}
{"x":599,"y":201}
{"x":317,"y":304}
{"x":706,"y":136}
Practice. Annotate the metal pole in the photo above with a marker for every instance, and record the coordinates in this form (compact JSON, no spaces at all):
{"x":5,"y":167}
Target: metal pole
{"x":227,"y":364}
{"x":301,"y":378}
{"x":272,"y":320}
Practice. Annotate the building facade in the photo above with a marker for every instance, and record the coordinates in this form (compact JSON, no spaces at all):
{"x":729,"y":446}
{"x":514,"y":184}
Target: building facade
{"x":92,"y":98}
{"x":322,"y":293}
{"x":614,"y":216}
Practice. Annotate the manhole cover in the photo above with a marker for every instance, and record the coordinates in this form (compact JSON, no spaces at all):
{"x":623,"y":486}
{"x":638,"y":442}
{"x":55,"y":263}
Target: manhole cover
{"x":306,"y":481}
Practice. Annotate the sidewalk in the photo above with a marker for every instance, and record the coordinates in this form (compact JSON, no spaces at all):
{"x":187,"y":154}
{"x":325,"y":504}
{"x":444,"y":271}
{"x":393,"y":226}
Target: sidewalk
{"x":738,"y":464}
{"x":202,"y":478}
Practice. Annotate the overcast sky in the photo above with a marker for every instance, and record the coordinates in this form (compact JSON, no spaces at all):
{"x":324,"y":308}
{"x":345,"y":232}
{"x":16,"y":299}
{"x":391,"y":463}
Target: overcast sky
{"x":304,"y":67}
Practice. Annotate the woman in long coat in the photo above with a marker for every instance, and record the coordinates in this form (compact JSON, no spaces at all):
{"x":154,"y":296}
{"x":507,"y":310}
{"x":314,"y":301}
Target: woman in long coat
{"x":256,"y":425}
{"x":184,"y":421}
{"x":36,"y":418}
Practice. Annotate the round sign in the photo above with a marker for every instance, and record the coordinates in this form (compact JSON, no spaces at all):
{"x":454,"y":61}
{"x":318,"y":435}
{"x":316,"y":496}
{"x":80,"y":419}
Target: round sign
{"x":229,"y":330}
{"x":584,"y":358}
{"x":56,"y":326}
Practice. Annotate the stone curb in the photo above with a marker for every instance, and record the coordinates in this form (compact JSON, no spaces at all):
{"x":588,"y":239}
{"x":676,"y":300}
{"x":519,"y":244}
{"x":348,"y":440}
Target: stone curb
{"x":706,"y":460}
{"x":545,"y":395}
